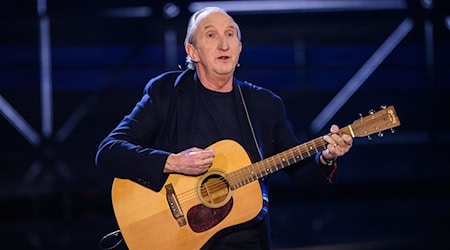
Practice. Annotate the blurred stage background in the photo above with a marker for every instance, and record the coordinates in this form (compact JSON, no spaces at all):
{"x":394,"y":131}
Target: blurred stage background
{"x":70,"y":70}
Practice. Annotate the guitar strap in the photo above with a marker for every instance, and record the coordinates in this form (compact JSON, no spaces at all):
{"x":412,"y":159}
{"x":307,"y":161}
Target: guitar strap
{"x":254,"y":126}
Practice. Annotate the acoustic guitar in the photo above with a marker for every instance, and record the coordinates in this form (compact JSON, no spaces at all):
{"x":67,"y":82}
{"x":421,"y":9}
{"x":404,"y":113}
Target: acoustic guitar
{"x":190,"y":210}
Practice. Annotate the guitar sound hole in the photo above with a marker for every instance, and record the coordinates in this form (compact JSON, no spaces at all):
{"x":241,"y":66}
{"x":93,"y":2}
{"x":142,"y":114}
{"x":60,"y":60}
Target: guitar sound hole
{"x":214,"y":191}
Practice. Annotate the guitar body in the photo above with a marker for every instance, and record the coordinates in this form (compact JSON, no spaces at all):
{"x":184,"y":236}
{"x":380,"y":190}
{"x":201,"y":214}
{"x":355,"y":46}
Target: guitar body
{"x":146,"y":219}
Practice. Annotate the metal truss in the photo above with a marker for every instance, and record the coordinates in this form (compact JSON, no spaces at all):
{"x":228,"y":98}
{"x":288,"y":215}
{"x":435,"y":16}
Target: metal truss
{"x":375,"y":60}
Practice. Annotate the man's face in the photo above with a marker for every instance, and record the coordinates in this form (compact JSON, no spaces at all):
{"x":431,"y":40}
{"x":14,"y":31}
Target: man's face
{"x":217,"y":46}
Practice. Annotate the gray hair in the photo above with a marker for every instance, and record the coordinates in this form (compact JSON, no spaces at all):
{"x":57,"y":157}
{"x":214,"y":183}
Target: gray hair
{"x":192,"y":27}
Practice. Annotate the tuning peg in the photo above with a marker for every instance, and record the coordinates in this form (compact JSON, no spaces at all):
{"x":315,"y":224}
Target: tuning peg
{"x":392,"y":130}
{"x":369,"y":137}
{"x":383,"y":106}
{"x":380,"y":134}
{"x":371,"y":112}
{"x":361,"y":118}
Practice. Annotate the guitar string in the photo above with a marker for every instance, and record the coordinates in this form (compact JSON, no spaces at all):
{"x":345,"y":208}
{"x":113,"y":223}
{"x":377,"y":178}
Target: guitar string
{"x":246,"y":175}
{"x":190,"y":194}
{"x":235,"y":179}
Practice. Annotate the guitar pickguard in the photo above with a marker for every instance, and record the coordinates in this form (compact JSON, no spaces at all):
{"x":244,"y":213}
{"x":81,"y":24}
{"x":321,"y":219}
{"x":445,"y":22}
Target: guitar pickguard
{"x":202,"y":218}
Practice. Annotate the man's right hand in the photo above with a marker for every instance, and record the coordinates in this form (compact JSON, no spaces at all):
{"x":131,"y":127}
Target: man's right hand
{"x":193,"y":161}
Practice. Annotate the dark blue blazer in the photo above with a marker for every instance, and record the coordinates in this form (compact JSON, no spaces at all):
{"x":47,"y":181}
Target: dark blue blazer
{"x":162,"y":121}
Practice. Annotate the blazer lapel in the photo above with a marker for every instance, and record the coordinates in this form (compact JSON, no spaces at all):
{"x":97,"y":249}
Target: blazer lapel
{"x":186,"y":95}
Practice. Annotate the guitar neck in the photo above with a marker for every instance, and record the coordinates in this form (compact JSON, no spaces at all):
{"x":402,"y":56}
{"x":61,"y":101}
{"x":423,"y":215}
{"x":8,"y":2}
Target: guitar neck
{"x":279,"y":161}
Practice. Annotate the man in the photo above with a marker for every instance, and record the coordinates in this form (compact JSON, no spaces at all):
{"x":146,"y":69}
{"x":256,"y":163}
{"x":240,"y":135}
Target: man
{"x":183,"y":112}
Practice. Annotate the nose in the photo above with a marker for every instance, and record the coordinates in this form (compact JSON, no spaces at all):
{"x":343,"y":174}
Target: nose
{"x":223,"y":43}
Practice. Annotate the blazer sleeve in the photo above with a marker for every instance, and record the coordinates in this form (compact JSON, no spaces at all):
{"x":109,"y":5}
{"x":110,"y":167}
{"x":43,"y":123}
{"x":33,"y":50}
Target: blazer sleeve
{"x":127,"y":151}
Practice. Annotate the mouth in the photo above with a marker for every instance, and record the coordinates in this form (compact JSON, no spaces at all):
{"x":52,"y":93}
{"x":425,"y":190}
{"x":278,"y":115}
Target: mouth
{"x":223,"y":58}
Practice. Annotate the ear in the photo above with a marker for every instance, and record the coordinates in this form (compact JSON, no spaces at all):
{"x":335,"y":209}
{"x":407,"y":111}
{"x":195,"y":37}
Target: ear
{"x":191,"y":52}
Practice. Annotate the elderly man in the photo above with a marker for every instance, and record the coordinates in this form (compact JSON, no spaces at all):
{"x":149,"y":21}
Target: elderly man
{"x":168,"y":142}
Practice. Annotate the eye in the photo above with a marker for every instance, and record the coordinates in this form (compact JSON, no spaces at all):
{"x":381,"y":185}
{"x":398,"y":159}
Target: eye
{"x":210,"y":35}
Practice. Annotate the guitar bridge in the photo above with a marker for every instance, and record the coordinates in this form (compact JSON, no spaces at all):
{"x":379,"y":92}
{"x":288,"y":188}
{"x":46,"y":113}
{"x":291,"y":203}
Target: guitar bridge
{"x":174,"y":205}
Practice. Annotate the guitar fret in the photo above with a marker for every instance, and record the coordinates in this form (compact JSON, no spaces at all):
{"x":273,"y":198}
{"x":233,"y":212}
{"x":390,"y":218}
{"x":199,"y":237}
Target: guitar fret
{"x":283,"y":160}
{"x":291,"y":158}
{"x":276,"y":167}
{"x":271,"y":161}
{"x":322,"y":144}
{"x":254,"y":175}
{"x":261,"y":169}
{"x":255,"y":170}
{"x":315,"y":146}
{"x":298,"y":153}
{"x":231,"y":180}
{"x":237,"y":179}
{"x":265,"y":169}
{"x":241,"y":180}
{"x":244,"y":181}
{"x":294,"y":156}
{"x":304,"y":155}
{"x":312,"y":147}
{"x":249,"y":174}
{"x":307,"y":149}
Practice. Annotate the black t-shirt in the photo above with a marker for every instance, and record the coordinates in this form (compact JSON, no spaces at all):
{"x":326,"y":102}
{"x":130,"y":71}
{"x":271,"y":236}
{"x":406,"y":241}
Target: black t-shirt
{"x":216,"y":118}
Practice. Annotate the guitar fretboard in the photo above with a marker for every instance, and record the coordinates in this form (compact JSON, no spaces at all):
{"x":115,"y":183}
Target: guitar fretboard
{"x":277,"y":162}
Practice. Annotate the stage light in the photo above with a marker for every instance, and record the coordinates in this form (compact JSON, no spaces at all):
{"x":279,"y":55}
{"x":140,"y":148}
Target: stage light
{"x":171,"y":10}
{"x":427,"y":4}
{"x":300,"y":5}
{"x":447,"y":22}
{"x":138,"y":11}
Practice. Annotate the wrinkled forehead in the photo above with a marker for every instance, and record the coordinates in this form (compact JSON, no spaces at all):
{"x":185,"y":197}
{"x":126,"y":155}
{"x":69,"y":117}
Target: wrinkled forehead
{"x":211,"y":17}
{"x":215,"y":17}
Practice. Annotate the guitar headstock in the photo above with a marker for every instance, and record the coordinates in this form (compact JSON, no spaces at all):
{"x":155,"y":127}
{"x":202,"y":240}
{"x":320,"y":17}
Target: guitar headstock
{"x":385,"y":118}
